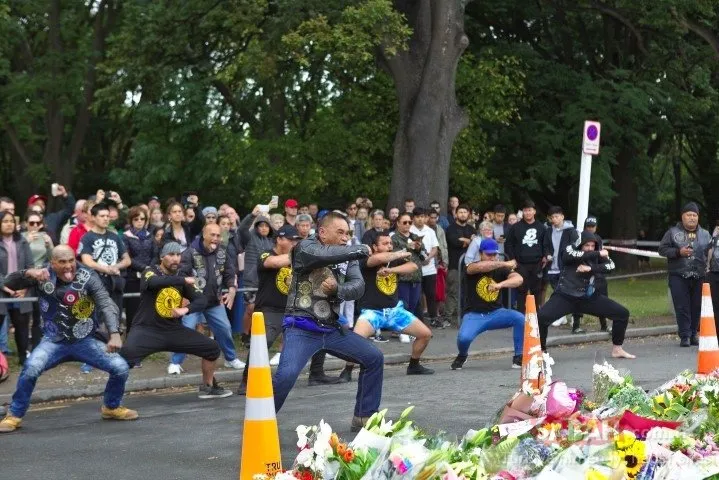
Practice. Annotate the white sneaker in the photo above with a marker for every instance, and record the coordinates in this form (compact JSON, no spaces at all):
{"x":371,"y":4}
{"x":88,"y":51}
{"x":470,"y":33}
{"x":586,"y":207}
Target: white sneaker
{"x":275,"y":360}
{"x":404,"y":338}
{"x":560,"y":322}
{"x":174,"y":369}
{"x":237,"y":364}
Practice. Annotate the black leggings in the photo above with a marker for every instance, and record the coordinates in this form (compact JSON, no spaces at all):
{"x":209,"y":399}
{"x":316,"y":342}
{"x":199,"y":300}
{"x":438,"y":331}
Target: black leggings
{"x":273,"y":329}
{"x":133,"y":303}
{"x":21,"y":322}
{"x":429,"y":288}
{"x":532,"y":283}
{"x":598,"y":305}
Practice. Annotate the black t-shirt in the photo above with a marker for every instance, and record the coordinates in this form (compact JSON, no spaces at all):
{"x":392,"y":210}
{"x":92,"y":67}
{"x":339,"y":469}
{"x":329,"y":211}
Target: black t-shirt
{"x":477,"y":297}
{"x":160,"y":293}
{"x":379,"y":292}
{"x":273,"y":285}
{"x":104,"y":248}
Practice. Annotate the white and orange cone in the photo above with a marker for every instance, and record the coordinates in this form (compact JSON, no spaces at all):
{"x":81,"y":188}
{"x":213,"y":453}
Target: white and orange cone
{"x":531,"y":347}
{"x":260,"y":439}
{"x":708,"y":357}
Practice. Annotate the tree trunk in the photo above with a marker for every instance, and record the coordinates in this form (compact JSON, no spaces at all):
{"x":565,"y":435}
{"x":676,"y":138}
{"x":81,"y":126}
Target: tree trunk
{"x":624,"y":206}
{"x":429,"y":117}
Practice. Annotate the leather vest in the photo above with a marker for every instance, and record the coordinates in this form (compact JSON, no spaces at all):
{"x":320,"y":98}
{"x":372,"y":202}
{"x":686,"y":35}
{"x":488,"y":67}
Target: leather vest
{"x":67,"y":309}
{"x":200,"y":272}
{"x":306,"y":298}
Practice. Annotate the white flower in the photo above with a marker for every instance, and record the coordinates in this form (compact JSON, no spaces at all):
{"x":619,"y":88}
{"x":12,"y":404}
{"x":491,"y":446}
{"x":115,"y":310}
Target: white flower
{"x":704,"y":390}
{"x":305,"y":458}
{"x":285,"y":476}
{"x":302,"y":435}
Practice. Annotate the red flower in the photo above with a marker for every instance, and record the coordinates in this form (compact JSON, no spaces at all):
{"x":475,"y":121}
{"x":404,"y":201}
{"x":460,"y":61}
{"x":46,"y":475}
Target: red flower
{"x":349,"y":455}
{"x":307,"y":475}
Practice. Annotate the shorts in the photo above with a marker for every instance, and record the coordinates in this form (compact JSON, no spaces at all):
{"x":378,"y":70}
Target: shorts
{"x":143,"y":341}
{"x":249,"y":297}
{"x":396,"y":318}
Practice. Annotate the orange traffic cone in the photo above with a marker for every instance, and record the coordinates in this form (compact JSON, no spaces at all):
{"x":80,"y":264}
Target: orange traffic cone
{"x":260,"y":439}
{"x":531,"y":349}
{"x":708,"y":357}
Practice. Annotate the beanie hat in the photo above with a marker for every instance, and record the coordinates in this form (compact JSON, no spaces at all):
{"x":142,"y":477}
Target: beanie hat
{"x":170,"y":248}
{"x":691,"y":207}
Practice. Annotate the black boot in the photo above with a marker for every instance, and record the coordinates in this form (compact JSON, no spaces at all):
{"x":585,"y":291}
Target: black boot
{"x":603,"y":324}
{"x":414,"y":368}
{"x":317,"y":371}
{"x":575,"y":325}
{"x":694,"y":340}
{"x":346,"y":374}
{"x":684,"y":342}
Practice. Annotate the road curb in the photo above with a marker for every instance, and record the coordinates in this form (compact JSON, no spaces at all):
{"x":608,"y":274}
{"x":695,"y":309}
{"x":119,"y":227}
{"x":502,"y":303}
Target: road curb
{"x":185,"y":380}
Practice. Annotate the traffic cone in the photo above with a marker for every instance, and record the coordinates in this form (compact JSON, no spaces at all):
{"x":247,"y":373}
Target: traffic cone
{"x":260,"y":439}
{"x":708,"y":357}
{"x":531,"y":347}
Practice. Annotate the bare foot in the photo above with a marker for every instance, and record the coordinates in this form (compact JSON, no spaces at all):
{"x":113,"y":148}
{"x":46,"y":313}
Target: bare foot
{"x":619,"y":352}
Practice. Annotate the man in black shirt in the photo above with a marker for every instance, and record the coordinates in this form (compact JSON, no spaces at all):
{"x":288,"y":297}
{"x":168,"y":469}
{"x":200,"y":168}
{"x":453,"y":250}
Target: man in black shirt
{"x":459,"y":236}
{"x":525,"y":244}
{"x":482,"y":309}
{"x":576,"y":292}
{"x":380,"y":306}
{"x":274,"y":273}
{"x":165,"y":297}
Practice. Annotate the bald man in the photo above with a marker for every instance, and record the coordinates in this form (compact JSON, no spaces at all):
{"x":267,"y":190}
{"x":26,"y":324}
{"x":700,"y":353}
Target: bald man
{"x":71,"y":299}
{"x":207,"y":261}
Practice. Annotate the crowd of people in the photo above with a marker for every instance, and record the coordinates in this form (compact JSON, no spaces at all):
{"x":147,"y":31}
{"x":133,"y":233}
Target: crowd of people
{"x":325,"y":280}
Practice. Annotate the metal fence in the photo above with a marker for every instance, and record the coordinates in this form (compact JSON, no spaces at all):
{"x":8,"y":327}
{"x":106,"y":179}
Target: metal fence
{"x":126,"y":295}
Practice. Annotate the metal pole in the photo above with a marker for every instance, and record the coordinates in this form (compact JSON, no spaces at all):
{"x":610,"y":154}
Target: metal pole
{"x":585,"y":177}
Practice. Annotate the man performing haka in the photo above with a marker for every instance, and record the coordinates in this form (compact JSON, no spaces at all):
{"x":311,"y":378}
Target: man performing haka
{"x":165,"y":297}
{"x":380,"y":306}
{"x":576,"y":292}
{"x":324,"y":273}
{"x":70,"y":296}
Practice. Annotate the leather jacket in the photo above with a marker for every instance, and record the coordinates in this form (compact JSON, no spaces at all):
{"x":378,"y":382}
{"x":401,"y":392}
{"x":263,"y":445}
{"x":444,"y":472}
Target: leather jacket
{"x":677,"y":237}
{"x":312,"y":263}
{"x":582,"y":284}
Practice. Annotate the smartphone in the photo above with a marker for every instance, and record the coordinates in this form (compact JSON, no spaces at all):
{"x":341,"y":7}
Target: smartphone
{"x":275,"y":201}
{"x":264,"y":208}
{"x":55,"y":189}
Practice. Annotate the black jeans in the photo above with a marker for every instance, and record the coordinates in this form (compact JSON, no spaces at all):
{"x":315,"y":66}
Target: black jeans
{"x":531,"y":273}
{"x":713,"y":279}
{"x":429,"y":288}
{"x":21,"y":322}
{"x":273,"y":329}
{"x":687,"y":299}
{"x":133,"y":303}
{"x":601,"y":288}
{"x":559,"y":305}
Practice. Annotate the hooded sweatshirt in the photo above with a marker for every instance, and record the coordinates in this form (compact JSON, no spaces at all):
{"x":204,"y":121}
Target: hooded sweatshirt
{"x":255,"y":244}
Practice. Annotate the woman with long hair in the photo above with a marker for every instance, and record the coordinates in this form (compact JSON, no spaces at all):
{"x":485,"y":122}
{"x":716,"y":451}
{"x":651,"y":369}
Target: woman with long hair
{"x":15,"y":255}
{"x":157,"y":218}
{"x":41,"y":249}
{"x":177,"y":229}
{"x":139,"y":243}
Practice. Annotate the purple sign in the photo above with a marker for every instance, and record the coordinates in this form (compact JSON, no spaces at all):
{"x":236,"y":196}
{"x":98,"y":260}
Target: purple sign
{"x":592,"y":132}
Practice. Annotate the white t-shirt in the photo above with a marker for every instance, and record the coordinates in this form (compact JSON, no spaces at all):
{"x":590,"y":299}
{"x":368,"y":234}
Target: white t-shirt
{"x":429,"y":241}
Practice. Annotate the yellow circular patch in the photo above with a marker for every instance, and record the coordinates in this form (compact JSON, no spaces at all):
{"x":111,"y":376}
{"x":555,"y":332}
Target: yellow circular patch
{"x":483,"y":290}
{"x":83,"y":308}
{"x":283,"y":280}
{"x":168,"y":299}
{"x":387,"y":284}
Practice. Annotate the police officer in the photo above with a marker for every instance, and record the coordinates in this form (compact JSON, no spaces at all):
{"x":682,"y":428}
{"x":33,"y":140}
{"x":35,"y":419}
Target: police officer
{"x":686,"y":245}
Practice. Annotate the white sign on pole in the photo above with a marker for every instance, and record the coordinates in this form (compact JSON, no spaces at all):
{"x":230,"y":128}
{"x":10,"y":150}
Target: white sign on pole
{"x":590,"y":140}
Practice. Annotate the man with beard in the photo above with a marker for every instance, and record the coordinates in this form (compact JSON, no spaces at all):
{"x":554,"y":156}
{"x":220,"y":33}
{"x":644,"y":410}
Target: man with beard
{"x":70,"y":296}
{"x":459,"y":236}
{"x":324,"y":273}
{"x":165,"y":297}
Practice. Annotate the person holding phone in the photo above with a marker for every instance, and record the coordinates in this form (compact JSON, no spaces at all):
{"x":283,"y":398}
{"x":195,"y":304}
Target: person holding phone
{"x":686,"y":245}
{"x":41,"y":249}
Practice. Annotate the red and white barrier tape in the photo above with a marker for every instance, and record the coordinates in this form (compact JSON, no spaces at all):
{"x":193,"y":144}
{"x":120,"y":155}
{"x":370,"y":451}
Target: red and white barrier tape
{"x":634,"y":251}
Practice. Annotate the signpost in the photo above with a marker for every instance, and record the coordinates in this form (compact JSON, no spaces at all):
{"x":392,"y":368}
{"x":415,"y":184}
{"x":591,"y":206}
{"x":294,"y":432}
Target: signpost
{"x":590,"y":147}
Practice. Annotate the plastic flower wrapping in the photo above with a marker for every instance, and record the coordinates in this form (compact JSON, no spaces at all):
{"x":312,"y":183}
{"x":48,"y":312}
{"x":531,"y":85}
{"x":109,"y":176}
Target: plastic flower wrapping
{"x":619,"y":431}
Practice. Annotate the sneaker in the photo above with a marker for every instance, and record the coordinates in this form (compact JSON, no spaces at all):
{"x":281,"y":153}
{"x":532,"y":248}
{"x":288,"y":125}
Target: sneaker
{"x":434,"y":323}
{"x":578,"y":330}
{"x":174,"y":369}
{"x":560,"y":322}
{"x":119,"y":413}
{"x":684,"y":342}
{"x":275,"y":360}
{"x":379,"y":339}
{"x":418,"y":369}
{"x":694,"y":340}
{"x":315,"y":380}
{"x":213,"y":391}
{"x":458,"y":362}
{"x":85,"y":368}
{"x":404,"y":338}
{"x":9,"y":424}
{"x":346,"y":375}
{"x":245,"y":339}
{"x":242,"y":389}
{"x":237,"y":364}
{"x":517,"y":361}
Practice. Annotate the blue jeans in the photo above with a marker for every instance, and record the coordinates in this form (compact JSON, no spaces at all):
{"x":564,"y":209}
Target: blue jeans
{"x":4,"y":347}
{"x":474,"y":324}
{"x":49,"y":354}
{"x":219,"y":324}
{"x":300,"y":345}
{"x":410,"y":294}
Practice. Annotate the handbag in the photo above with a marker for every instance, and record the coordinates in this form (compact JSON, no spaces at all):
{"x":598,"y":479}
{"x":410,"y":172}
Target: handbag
{"x":440,"y":288}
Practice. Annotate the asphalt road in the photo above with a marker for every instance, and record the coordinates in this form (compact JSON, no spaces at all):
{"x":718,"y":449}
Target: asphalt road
{"x":181,"y":437}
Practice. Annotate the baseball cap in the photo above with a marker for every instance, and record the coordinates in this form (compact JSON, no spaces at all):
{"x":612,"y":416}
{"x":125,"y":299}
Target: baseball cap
{"x":35,"y":198}
{"x":288,"y":231}
{"x":489,"y":245}
{"x":590,"y":221}
{"x":154,"y":197}
{"x":291,"y":203}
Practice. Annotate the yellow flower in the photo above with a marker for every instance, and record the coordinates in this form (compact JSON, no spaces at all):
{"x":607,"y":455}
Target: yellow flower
{"x":634,"y":458}
{"x":625,"y":440}
{"x":593,"y":474}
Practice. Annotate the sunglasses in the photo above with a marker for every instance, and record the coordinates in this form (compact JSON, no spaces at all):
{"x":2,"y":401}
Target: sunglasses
{"x":34,"y":224}
{"x":140,"y":218}
{"x":406,"y":222}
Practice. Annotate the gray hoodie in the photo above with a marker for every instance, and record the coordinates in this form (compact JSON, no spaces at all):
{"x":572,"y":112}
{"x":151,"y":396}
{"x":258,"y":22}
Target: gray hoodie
{"x":255,"y":244}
